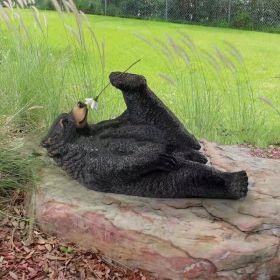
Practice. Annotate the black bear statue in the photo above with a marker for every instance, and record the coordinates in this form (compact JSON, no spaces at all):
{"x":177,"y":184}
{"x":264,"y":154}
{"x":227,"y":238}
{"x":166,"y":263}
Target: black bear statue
{"x":146,"y":151}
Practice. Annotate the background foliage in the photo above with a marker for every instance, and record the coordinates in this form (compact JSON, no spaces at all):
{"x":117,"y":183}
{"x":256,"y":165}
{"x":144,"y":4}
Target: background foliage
{"x":50,"y":60}
{"x":249,"y":14}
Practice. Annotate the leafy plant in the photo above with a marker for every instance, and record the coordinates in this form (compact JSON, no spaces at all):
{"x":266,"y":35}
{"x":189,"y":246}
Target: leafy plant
{"x":66,"y":250}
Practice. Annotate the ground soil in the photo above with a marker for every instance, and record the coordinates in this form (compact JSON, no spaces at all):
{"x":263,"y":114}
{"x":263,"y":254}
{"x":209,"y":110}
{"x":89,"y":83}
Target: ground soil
{"x":27,"y":253}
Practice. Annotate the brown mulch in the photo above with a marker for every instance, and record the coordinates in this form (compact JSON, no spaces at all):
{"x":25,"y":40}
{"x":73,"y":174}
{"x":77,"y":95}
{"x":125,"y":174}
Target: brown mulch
{"x":272,"y":152}
{"x":28,"y":253}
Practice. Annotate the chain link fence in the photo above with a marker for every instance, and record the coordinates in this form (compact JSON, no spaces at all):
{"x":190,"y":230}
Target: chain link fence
{"x":248,"y":14}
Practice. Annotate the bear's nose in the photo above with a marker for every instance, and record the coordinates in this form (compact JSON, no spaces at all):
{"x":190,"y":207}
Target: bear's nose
{"x":81,"y":104}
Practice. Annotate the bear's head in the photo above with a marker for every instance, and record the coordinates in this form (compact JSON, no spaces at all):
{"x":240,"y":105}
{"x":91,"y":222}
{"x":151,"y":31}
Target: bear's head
{"x":64,"y":128}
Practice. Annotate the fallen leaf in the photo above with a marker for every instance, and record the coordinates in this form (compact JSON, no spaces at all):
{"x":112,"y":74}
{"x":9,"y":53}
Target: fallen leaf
{"x":26,"y":249}
{"x":29,"y":255}
{"x":32,"y":271}
{"x":41,"y":247}
{"x":17,"y":211}
{"x":48,"y":246}
{"x":41,"y":241}
{"x":82,"y":274}
{"x":22,"y":225}
{"x":13,"y":275}
{"x":45,"y":267}
{"x":55,"y":258}
{"x":15,"y":224}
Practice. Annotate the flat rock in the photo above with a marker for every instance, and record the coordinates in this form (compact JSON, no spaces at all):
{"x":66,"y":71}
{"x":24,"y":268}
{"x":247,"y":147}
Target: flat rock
{"x":174,"y":238}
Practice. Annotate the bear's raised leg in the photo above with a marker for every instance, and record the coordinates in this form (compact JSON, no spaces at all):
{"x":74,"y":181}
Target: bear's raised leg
{"x":144,"y":107}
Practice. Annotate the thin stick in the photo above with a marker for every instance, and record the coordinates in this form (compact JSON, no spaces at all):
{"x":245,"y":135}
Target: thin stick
{"x":135,"y":62}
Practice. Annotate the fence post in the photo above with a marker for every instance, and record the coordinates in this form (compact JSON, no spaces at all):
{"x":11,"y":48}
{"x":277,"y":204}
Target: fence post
{"x":105,"y":7}
{"x":166,"y":10}
{"x":229,"y":11}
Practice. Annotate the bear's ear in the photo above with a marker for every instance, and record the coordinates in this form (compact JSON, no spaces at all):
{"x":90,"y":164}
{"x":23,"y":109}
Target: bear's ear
{"x":56,"y":129}
{"x":63,"y":123}
{"x":79,"y":113}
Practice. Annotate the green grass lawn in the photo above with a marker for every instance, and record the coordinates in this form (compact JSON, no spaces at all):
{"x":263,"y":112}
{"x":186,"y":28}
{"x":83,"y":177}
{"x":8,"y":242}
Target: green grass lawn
{"x":261,"y":52}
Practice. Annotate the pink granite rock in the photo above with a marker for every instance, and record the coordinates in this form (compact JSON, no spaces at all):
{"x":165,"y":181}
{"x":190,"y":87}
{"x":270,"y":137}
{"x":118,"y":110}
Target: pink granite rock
{"x":175,"y":239}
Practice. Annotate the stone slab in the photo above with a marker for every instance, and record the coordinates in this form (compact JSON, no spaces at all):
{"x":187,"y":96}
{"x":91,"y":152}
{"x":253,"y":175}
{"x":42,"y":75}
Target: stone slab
{"x":179,"y":238}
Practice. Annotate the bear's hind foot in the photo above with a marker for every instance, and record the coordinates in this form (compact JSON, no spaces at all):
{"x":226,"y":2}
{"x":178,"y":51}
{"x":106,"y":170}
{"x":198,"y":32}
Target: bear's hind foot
{"x":127,"y":81}
{"x":237,"y":184}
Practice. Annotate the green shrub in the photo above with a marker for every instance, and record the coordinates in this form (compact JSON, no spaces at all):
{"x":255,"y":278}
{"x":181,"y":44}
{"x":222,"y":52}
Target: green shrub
{"x":44,"y":4}
{"x":242,"y":20}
